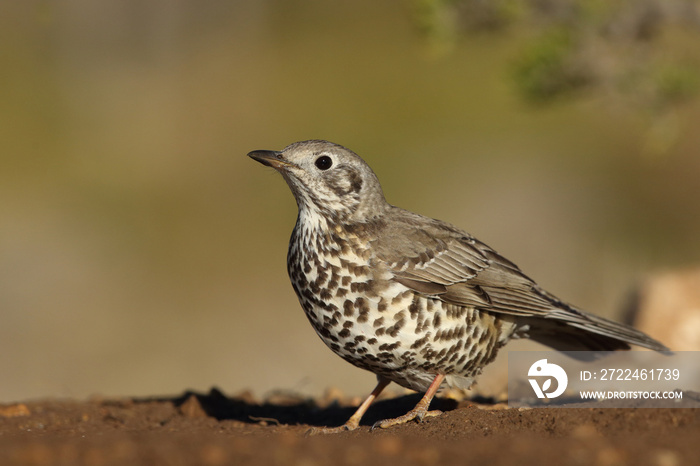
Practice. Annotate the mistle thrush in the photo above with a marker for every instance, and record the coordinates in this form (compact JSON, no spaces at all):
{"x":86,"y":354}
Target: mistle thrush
{"x":414,"y":300}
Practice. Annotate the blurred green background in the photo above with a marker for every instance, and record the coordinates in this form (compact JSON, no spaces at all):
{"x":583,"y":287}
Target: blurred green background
{"x":142,"y":253}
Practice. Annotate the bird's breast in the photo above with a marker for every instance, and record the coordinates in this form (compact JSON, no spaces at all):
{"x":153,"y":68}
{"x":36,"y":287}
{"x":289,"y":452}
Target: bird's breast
{"x":378,"y":324}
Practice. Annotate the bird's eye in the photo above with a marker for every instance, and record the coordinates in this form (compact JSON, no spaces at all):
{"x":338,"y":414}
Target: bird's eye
{"x":324,"y":162}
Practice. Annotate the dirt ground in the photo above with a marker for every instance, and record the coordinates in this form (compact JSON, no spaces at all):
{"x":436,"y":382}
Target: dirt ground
{"x":213,"y":429}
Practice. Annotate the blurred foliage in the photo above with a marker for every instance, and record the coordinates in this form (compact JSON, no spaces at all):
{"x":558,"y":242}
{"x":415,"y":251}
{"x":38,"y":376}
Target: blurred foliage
{"x":642,"y":53}
{"x":545,"y":70}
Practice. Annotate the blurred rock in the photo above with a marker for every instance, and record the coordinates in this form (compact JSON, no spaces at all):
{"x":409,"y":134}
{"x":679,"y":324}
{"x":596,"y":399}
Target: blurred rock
{"x":667,"y":307}
{"x":192,"y":407}
{"x":15,"y":410}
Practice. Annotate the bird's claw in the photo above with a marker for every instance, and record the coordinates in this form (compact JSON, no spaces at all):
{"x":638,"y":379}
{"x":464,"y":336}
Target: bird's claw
{"x":416,"y":414}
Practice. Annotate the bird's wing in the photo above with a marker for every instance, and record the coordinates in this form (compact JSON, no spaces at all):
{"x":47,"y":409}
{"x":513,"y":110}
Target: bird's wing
{"x":438,"y":260}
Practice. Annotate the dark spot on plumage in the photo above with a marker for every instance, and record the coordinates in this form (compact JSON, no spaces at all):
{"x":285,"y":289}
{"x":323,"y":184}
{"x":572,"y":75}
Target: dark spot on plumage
{"x":484,"y":338}
{"x":381,"y":306}
{"x":331,"y":307}
{"x":396,"y":328}
{"x":321,"y":276}
{"x":344,"y":333}
{"x":372,"y":341}
{"x":348,"y":324}
{"x":440,"y":361}
{"x":360,"y":338}
{"x":360,"y":270}
{"x":498,"y":325}
{"x":399,"y":297}
{"x":420,"y":342}
{"x":341,"y":292}
{"x":313,"y":286}
{"x":348,"y":308}
{"x":309,"y":296}
{"x":345,"y":281}
{"x":390,"y":346}
{"x":356,"y":287}
{"x":321,"y":244}
{"x":414,"y":307}
{"x":378,"y":322}
{"x":355,"y":182}
{"x":362,"y":305}
{"x":301,"y":281}
{"x":476,"y":334}
{"x":344,"y":180}
{"x":422,"y":325}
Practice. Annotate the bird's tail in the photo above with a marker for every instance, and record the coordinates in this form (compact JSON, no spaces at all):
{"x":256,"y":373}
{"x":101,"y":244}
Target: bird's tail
{"x":561,"y":329}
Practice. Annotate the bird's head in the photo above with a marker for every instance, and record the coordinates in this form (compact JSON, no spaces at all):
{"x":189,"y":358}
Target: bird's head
{"x":327,"y":179}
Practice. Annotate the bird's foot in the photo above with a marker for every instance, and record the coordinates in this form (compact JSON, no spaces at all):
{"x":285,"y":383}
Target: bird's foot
{"x":417,"y":413}
{"x":354,"y":420}
{"x":347,"y":427}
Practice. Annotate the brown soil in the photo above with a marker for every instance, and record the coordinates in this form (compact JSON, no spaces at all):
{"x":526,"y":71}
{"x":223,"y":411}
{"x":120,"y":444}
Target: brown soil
{"x":212,"y":429}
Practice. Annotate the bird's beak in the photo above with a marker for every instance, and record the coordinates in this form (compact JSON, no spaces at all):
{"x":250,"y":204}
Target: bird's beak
{"x":271,"y":158}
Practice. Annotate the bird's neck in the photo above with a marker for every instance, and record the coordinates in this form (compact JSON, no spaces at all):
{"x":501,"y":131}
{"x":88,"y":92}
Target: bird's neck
{"x":316,"y":231}
{"x":311,"y":222}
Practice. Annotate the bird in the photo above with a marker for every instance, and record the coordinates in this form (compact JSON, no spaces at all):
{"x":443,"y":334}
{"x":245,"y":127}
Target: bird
{"x":415,"y":300}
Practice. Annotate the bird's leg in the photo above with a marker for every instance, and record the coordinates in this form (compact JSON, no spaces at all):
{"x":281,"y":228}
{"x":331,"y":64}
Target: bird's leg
{"x":421,"y":409}
{"x":354,"y":420}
